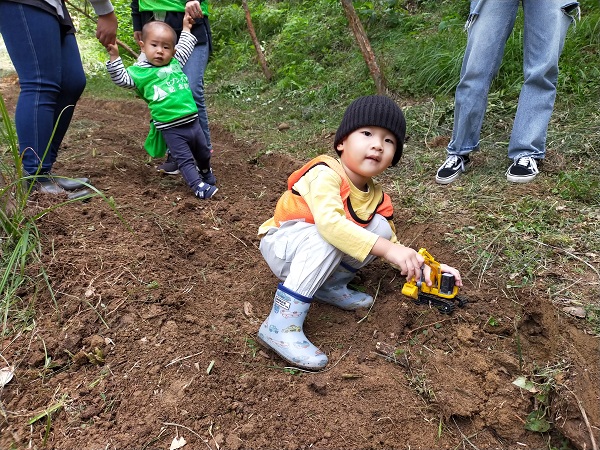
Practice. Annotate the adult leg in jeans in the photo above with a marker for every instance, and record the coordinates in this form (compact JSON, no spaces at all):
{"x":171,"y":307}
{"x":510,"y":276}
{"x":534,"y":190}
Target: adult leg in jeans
{"x":194,"y":69}
{"x":545,"y":29}
{"x":51,"y":78}
{"x":491,"y":22}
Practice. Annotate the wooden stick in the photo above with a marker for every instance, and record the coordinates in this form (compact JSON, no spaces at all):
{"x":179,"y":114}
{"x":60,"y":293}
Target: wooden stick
{"x":365,"y":46}
{"x":259,"y":53}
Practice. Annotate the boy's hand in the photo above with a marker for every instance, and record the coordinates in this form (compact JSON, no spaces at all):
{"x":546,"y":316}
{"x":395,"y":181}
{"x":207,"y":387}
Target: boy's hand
{"x":408,"y":260}
{"x":193,"y":9}
{"x":113,"y":51}
{"x":188,"y":21}
{"x":444,"y":268}
{"x":448,"y":269}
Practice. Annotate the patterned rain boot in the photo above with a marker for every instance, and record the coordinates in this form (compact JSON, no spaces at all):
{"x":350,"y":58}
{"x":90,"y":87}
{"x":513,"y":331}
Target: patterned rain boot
{"x":335,"y":291}
{"x":282,"y":331}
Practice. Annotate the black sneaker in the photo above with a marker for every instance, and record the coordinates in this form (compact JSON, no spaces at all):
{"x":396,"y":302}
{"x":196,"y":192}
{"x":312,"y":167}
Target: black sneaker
{"x":452,"y":168}
{"x":522,"y":170}
{"x":204,"y":191}
{"x":169,"y":167}
{"x":208,"y":176}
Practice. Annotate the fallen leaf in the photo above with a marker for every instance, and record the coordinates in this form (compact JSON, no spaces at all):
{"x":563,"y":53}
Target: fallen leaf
{"x":89,"y":292}
{"x":248,"y":309}
{"x":178,"y":442}
{"x":524,"y":383}
{"x":576,"y":311}
{"x":6,"y":374}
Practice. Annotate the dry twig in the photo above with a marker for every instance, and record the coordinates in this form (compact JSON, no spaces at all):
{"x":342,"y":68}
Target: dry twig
{"x":189,"y":429}
{"x":585,"y":418}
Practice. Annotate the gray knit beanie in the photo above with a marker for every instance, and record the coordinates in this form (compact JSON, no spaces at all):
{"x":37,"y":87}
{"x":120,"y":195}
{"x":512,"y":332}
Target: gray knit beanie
{"x":373,"y":110}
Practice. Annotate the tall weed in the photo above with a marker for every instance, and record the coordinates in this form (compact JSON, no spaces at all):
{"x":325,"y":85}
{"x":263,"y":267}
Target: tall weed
{"x":19,"y":239}
{"x":20,"y":247}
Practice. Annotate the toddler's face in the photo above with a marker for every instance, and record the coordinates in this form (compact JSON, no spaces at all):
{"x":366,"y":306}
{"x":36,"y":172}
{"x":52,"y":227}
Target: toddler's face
{"x":158,"y":46}
{"x":367,"y":152}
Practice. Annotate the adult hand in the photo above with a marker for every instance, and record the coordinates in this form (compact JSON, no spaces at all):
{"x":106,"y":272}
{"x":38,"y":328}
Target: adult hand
{"x":106,"y":31}
{"x":193,"y":9}
{"x":137,"y":37}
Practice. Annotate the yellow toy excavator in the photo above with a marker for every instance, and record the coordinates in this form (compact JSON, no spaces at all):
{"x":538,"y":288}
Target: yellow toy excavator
{"x":442,"y":293}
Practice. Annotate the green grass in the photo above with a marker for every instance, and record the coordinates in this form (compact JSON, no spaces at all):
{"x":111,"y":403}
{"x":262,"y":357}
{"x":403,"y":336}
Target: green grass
{"x":19,"y":237}
{"x":21,"y":262}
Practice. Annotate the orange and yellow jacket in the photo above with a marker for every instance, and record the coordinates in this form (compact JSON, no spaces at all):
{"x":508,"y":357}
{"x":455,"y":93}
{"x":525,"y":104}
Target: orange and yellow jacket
{"x":321,"y":193}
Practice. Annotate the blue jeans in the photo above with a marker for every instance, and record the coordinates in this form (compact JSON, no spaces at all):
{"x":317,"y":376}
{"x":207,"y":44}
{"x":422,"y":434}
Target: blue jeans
{"x":51,"y":77}
{"x":194,"y":69}
{"x":489,"y":26}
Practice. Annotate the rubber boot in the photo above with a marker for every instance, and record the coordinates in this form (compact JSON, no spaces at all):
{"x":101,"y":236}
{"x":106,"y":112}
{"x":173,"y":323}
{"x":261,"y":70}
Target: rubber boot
{"x":282,"y":331}
{"x":335,"y":291}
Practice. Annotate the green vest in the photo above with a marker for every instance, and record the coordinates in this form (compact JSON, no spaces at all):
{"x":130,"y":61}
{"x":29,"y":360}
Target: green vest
{"x":169,"y":5}
{"x":166,"y":90}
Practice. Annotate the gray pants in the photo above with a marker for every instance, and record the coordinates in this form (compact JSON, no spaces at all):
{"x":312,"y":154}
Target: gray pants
{"x":303,"y":260}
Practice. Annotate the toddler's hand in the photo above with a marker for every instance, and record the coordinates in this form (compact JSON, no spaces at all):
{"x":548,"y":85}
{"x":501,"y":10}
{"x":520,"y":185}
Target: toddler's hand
{"x":113,"y":51}
{"x":188,"y":21}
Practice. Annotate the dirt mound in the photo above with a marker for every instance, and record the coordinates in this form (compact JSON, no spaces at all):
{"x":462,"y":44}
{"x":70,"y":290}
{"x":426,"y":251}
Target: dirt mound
{"x":151,"y":334}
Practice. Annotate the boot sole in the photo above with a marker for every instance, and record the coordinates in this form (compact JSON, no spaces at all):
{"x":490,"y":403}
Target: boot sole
{"x":268,"y":347}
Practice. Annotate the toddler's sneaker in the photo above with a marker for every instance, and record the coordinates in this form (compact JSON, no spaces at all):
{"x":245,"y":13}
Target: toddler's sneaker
{"x":452,"y":168}
{"x":169,"y":167}
{"x":208,"y":176}
{"x":522,"y":170}
{"x":205,"y":191}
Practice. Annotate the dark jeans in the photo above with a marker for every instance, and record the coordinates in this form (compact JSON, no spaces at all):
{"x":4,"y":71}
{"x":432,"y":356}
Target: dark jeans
{"x":187,"y":145}
{"x":51,"y":78}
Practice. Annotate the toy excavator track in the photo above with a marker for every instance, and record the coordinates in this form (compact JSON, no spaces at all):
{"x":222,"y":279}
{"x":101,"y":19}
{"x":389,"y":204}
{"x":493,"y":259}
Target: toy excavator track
{"x":444,"y":306}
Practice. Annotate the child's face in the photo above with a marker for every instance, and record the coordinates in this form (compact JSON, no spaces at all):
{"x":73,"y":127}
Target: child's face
{"x":367,"y":152}
{"x":158,"y":46}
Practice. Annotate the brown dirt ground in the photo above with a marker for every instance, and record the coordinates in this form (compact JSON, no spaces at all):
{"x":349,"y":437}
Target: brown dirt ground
{"x":145,"y":305}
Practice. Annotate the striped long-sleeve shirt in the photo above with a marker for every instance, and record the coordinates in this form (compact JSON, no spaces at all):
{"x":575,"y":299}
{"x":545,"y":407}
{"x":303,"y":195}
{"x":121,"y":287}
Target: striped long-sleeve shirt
{"x":119,"y":75}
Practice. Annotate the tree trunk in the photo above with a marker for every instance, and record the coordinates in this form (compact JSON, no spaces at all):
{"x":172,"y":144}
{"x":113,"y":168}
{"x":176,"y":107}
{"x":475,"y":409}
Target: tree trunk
{"x":365,"y":46}
{"x":259,"y":52}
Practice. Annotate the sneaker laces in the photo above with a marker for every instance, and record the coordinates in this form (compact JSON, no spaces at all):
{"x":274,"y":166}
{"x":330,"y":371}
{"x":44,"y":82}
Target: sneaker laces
{"x":451,"y":161}
{"x":528,"y":162}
